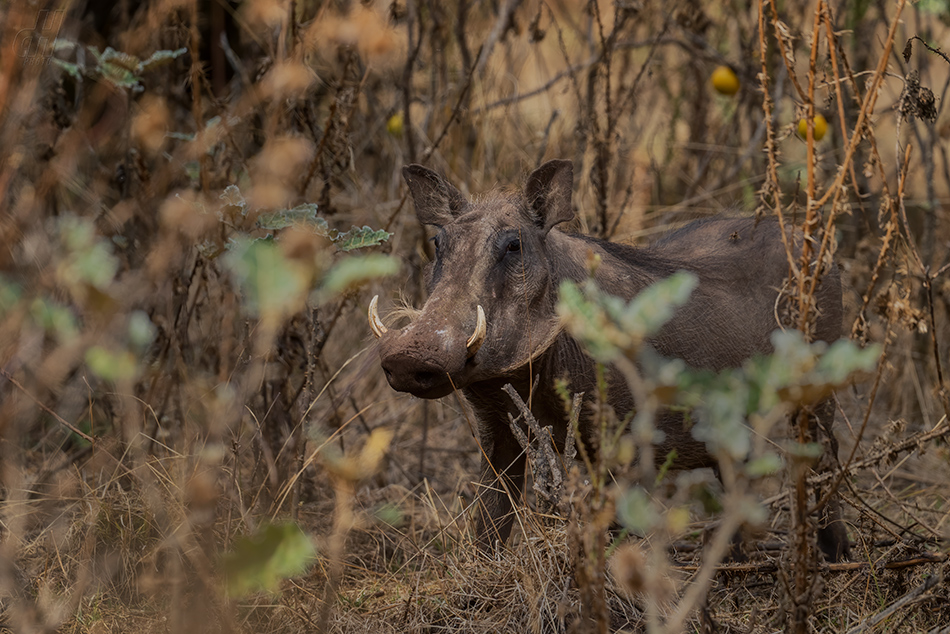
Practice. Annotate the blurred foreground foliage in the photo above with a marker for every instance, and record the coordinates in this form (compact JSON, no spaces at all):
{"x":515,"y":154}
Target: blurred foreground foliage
{"x":262,"y":560}
{"x":197,"y":199}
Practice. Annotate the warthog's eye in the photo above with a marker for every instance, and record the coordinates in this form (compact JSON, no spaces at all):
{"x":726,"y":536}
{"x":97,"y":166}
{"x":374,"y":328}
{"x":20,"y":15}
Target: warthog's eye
{"x":437,"y":239}
{"x":506,"y":244}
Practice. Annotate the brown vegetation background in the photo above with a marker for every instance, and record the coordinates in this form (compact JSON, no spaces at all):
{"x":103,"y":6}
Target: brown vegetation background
{"x":152,"y":412}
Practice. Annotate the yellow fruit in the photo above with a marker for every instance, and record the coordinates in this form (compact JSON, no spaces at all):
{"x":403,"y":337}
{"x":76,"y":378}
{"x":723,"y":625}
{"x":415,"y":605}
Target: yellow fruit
{"x":821,"y":127}
{"x":724,"y":80}
{"x":394,"y":125}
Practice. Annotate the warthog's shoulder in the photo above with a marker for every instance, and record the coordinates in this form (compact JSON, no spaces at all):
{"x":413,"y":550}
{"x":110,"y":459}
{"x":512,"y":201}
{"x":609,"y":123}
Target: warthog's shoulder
{"x":726,"y":235}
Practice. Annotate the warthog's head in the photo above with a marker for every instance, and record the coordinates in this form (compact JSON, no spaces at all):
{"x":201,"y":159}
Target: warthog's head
{"x":491,"y":303}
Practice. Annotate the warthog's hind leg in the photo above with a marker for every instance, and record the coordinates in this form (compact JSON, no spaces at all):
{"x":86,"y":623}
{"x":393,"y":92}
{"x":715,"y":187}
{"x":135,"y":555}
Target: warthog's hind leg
{"x":832,"y":530}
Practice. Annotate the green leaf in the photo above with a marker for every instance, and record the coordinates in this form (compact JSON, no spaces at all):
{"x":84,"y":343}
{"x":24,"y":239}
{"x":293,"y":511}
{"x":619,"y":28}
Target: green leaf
{"x":654,"y":306}
{"x":54,"y":318}
{"x":636,"y":512}
{"x":796,"y":372}
{"x":88,"y":257}
{"x":390,"y":514}
{"x":119,"y":59}
{"x":117,"y":75}
{"x":111,"y":366}
{"x":767,"y":464}
{"x":753,"y":511}
{"x":85,"y":426}
{"x":69,"y":67}
{"x":304,"y":215}
{"x":141,"y":329}
{"x":357,"y":238}
{"x":354,"y":271}
{"x":721,"y":417}
{"x":844,"y":358}
{"x":588,"y":322}
{"x":607,"y":326}
{"x":60,"y":44}
{"x":939,"y":8}
{"x":160,"y":58}
{"x":260,"y":561}
{"x":272,"y":286}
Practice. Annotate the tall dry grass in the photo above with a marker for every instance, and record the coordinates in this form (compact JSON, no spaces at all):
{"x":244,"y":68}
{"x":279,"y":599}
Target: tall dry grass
{"x":162,"y":397}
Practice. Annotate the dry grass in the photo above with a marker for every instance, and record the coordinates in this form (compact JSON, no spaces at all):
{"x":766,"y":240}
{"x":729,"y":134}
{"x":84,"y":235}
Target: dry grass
{"x":151,"y":413}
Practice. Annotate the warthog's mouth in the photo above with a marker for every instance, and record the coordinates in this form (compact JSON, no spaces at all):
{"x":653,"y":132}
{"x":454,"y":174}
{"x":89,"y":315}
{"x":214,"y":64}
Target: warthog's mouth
{"x":412,"y":364}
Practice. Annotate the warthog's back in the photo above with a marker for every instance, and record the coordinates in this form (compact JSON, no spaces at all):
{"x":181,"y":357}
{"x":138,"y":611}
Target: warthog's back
{"x":742,"y":266}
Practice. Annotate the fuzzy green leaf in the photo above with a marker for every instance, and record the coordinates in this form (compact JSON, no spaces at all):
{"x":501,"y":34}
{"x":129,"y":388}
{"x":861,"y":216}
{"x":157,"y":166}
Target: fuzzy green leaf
{"x":88,"y":258}
{"x":160,"y":58}
{"x":636,"y":512}
{"x":607,"y":326}
{"x":260,"y":561}
{"x":357,"y":270}
{"x":60,"y":44}
{"x":111,"y":366}
{"x":117,"y":75}
{"x":72,"y":69}
{"x":54,"y":318}
{"x":141,"y":329}
{"x":767,"y":464}
{"x":118,"y":58}
{"x":357,"y":238}
{"x":304,"y":215}
{"x":272,"y":285}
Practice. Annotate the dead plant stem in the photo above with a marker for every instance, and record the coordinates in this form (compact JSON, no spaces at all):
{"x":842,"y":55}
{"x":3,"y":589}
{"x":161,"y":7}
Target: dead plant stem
{"x":834,"y":191}
{"x":712,"y":557}
{"x":770,"y":187}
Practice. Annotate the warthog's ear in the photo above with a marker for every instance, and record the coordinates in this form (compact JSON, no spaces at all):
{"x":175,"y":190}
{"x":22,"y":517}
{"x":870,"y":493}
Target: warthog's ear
{"x":437,"y":201}
{"x":549,"y":190}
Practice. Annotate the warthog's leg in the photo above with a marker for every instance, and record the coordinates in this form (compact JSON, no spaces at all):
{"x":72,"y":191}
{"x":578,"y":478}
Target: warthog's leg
{"x":502,"y":479}
{"x":832,"y":532}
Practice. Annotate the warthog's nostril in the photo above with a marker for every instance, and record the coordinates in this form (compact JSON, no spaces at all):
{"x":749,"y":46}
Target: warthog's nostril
{"x":424,"y":378}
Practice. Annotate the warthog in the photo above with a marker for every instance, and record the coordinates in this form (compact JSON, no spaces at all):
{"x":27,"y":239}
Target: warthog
{"x":491,"y":309}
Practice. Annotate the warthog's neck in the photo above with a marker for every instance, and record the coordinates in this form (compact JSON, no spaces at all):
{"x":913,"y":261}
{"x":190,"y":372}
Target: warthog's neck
{"x":563,"y":360}
{"x":619,"y":269}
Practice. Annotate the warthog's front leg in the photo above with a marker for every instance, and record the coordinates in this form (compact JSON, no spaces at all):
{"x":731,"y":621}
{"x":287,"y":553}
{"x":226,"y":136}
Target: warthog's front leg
{"x":502,"y":479}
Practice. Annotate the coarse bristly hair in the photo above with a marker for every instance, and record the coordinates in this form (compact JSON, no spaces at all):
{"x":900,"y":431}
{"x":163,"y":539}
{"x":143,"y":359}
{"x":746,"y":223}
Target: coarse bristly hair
{"x":401,"y":310}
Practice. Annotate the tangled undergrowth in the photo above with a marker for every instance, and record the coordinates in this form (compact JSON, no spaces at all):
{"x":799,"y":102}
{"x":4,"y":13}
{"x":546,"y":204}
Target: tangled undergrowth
{"x":199,"y":200}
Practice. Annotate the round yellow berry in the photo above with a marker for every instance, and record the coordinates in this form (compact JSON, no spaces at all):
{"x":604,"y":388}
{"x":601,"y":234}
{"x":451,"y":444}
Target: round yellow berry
{"x":394,"y":125}
{"x":724,"y":80}
{"x":821,"y":127}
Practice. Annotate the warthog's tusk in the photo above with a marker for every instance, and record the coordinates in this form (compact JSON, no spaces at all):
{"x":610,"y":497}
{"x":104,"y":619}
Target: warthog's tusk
{"x":375,"y":323}
{"x":478,"y":337}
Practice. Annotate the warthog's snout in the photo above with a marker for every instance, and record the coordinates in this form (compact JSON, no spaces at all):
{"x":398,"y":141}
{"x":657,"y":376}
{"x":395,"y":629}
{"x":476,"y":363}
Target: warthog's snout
{"x":420,"y":377}
{"x":422,"y":360}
